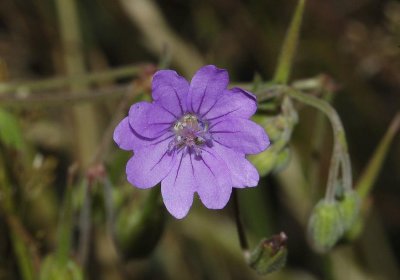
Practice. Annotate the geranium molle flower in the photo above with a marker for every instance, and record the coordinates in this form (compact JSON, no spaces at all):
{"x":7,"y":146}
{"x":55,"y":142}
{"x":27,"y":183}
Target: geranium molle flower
{"x":192,"y":138}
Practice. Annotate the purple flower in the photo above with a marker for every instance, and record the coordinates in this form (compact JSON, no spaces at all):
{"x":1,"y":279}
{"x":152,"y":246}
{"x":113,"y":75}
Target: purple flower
{"x":192,"y":138}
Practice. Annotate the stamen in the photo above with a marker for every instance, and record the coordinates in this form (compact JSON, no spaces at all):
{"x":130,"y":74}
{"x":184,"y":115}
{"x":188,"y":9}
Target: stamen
{"x":190,"y":134}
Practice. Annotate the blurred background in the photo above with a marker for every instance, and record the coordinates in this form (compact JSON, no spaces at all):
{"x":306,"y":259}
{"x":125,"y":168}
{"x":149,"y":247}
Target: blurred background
{"x":69,"y":71}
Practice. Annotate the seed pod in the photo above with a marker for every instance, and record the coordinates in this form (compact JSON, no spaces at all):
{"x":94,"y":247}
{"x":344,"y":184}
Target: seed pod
{"x":349,"y":207}
{"x":325,"y":226}
{"x":270,"y":254}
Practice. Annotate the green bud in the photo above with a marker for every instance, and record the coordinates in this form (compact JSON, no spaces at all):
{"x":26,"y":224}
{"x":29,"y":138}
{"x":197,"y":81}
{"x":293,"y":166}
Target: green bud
{"x":274,"y":127}
{"x":282,"y":160}
{"x":356,"y":228}
{"x":270,"y":254}
{"x":349,"y":207}
{"x":264,"y":161}
{"x":52,"y":268}
{"x":325,"y":226}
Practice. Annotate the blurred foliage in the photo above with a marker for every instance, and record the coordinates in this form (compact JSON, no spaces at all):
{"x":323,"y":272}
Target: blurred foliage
{"x":69,"y":71}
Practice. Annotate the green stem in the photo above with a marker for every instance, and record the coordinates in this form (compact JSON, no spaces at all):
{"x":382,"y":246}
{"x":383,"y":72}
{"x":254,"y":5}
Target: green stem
{"x":317,"y":142}
{"x":340,"y":154}
{"x":371,"y":172}
{"x":85,"y":223}
{"x":346,"y":165}
{"x":21,"y":249}
{"x":19,"y":239}
{"x":65,"y":224}
{"x":244,"y":244}
{"x":288,"y":51}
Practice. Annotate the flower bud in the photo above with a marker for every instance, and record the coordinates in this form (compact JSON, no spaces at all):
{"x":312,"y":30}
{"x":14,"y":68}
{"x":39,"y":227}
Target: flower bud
{"x":52,"y":268}
{"x":349,"y":207}
{"x":325,"y":226}
{"x":265,"y":161}
{"x":270,"y":254}
{"x":275,"y":127}
{"x":282,"y":160}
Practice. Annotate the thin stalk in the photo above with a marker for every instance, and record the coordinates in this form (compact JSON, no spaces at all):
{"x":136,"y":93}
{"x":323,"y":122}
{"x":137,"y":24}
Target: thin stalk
{"x":66,"y":221}
{"x":346,"y":165}
{"x":371,"y":172}
{"x":23,"y":244}
{"x":317,"y":143}
{"x":21,"y":248}
{"x":339,"y":154}
{"x":85,"y":223}
{"x":108,"y":203}
{"x":333,"y":174}
{"x":285,"y":60}
{"x":244,"y":244}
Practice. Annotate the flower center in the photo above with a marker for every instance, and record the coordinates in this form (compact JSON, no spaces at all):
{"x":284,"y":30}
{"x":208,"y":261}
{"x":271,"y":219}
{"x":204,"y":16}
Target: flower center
{"x":190,"y":134}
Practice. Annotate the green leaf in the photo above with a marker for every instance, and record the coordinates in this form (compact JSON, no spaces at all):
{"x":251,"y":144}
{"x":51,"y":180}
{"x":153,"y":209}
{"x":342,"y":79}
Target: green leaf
{"x":10,"y":131}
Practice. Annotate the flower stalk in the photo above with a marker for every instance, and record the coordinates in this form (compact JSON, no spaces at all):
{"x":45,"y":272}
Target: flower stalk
{"x":340,"y":156}
{"x":244,"y":244}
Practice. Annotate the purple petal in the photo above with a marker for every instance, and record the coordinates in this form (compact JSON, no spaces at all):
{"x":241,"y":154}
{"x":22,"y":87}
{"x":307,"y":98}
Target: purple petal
{"x":213,"y":179}
{"x":150,"y":120}
{"x":206,"y":87}
{"x":178,"y":187}
{"x":150,"y":165}
{"x":243,"y":136}
{"x":128,"y":139}
{"x":243,"y":173}
{"x":123,"y":135}
{"x":170,"y":91}
{"x":235,"y":102}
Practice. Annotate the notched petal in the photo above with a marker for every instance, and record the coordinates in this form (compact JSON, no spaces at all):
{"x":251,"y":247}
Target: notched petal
{"x":170,"y":91}
{"x":206,"y":87}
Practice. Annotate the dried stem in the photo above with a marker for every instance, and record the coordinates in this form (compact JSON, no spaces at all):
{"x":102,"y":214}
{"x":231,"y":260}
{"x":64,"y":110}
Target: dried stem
{"x":60,"y":82}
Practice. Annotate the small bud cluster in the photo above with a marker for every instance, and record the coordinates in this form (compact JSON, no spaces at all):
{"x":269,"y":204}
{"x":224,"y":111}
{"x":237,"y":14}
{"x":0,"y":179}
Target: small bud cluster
{"x":331,"y":219}
{"x":279,"y":128}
